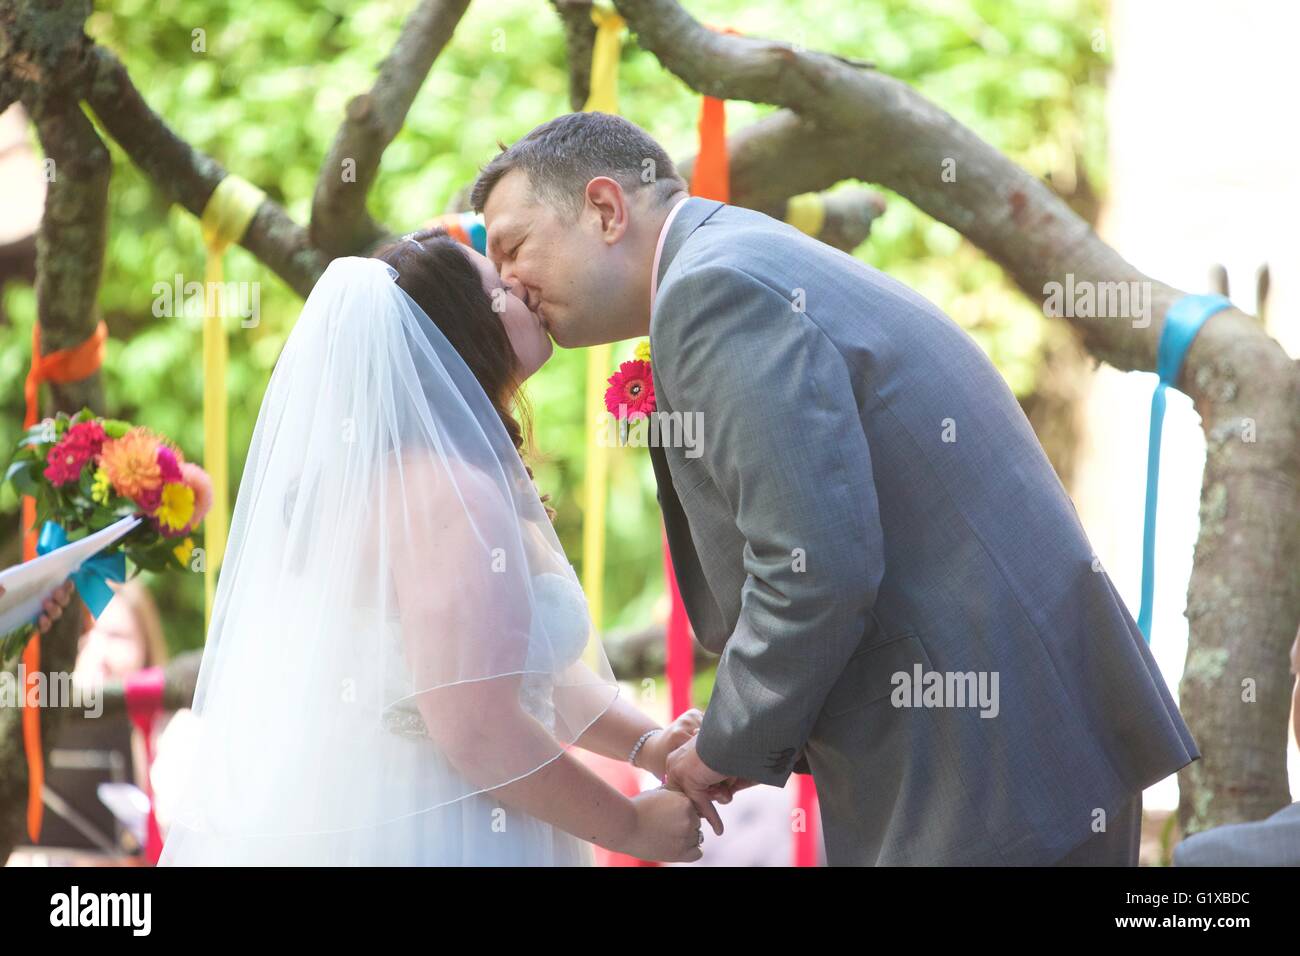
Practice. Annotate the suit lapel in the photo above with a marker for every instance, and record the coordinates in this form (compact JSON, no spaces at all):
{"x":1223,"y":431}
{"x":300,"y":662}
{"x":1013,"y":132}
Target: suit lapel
{"x":690,"y":217}
{"x":706,"y":619}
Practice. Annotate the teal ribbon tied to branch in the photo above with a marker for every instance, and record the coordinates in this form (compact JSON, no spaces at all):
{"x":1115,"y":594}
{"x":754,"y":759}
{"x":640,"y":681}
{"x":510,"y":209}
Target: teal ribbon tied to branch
{"x":1183,"y":320}
{"x":92,"y":578}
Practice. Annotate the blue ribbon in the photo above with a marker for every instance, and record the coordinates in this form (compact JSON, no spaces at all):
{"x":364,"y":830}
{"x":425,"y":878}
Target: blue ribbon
{"x":474,"y":227}
{"x":1183,"y":320}
{"x":92,"y":578}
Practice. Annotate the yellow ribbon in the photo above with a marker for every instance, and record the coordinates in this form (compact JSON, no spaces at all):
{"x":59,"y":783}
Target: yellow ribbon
{"x":602,"y":98}
{"x":807,"y":213}
{"x":605,"y":51}
{"x":595,"y":483}
{"x":225,"y":218}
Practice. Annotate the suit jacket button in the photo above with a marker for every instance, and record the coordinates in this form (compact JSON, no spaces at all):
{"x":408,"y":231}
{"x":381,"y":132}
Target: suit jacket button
{"x":779,"y":758}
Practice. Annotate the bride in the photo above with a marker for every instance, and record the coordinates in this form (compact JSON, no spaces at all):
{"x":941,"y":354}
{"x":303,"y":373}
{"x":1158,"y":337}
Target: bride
{"x":400,"y":656}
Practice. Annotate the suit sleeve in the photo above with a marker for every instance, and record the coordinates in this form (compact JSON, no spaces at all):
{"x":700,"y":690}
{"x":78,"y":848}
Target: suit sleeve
{"x":782,"y":439}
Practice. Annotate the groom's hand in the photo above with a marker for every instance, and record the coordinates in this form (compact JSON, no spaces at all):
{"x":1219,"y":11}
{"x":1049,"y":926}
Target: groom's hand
{"x":692,"y":776}
{"x":654,"y":753}
{"x":724,"y":791}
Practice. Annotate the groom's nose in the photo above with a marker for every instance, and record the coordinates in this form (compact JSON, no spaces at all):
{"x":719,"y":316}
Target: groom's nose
{"x":519,"y":289}
{"x":507,"y":273}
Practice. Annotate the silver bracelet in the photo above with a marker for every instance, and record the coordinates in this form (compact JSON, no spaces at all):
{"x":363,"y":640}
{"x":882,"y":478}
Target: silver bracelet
{"x":631,"y":758}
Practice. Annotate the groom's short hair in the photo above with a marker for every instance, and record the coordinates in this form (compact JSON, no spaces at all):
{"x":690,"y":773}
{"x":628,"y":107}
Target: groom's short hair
{"x":561,"y":156}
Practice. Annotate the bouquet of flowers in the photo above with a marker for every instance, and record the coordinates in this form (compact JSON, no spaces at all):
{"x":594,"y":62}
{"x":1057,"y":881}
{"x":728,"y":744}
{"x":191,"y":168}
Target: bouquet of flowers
{"x":87,"y":472}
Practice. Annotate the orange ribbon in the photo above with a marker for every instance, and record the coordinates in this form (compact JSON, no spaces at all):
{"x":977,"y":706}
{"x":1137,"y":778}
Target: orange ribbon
{"x":711,"y":178}
{"x":66,"y":365}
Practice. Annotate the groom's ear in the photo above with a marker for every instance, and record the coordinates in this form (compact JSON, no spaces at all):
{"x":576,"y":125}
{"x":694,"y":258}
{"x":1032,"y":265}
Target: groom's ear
{"x":607,"y":205}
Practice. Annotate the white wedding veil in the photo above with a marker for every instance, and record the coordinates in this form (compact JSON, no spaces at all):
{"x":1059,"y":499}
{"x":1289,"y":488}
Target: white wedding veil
{"x":395,"y":627}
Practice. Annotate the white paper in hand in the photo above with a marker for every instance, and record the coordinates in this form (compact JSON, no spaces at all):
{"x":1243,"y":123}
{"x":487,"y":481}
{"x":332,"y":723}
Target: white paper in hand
{"x":27,"y":585}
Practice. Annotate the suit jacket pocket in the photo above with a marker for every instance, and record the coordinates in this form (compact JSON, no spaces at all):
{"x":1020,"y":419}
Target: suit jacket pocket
{"x":869,"y":674}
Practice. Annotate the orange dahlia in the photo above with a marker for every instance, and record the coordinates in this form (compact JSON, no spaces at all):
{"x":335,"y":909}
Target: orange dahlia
{"x":131,"y":463}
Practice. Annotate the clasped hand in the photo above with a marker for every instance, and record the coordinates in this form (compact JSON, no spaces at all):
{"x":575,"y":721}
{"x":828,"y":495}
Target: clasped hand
{"x":672,"y":758}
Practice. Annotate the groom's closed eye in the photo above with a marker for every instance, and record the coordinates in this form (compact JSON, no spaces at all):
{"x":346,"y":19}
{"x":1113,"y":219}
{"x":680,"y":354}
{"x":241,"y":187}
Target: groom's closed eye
{"x":505,"y":248}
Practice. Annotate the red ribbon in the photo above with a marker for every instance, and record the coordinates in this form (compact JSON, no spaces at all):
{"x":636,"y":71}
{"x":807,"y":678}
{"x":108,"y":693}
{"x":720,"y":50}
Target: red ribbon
{"x":679,"y":664}
{"x":144,"y":692}
{"x":805,"y":840}
{"x":711,"y":179}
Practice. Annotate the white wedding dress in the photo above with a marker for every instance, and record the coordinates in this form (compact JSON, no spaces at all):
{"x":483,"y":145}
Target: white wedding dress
{"x":473,"y":830}
{"x":478,"y":830}
{"x":386,"y":534}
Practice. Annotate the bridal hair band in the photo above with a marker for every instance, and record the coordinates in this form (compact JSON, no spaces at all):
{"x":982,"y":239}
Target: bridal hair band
{"x":393,"y":273}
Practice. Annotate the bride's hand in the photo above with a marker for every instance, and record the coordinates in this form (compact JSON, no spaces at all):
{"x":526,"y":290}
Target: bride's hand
{"x":667,"y":828}
{"x":653,"y":755}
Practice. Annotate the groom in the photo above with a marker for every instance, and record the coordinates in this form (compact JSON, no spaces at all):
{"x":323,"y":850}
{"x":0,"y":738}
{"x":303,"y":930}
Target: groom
{"x":868,"y":531}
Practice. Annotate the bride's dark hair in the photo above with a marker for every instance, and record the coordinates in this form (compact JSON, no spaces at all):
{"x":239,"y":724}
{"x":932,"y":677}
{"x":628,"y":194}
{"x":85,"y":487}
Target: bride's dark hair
{"x":435,"y":272}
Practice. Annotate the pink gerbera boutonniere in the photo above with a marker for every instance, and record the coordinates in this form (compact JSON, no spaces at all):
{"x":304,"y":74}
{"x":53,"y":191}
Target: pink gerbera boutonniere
{"x":631,"y":392}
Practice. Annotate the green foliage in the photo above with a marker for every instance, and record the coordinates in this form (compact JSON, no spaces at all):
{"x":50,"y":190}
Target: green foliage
{"x":266,"y":97}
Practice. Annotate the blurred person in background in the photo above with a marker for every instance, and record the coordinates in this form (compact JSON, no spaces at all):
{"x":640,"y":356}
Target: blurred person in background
{"x":84,"y":753}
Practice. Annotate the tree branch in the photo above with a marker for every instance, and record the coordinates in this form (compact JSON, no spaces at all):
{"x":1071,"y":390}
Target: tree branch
{"x":770,"y":161}
{"x":188,"y":176}
{"x":69,"y":260}
{"x":340,"y":222}
{"x":71,"y":241}
{"x":579,"y":38}
{"x":885,"y":132}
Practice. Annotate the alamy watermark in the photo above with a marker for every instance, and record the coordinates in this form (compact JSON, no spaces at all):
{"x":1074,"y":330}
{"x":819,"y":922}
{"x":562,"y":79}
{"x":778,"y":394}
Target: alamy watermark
{"x":1084,"y":299}
{"x":658,"y":429}
{"x":922,"y":688}
{"x":50,"y":689}
{"x":196,"y":299}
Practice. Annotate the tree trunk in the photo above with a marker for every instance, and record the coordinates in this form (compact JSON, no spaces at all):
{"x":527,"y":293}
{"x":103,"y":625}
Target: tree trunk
{"x":69,"y":254}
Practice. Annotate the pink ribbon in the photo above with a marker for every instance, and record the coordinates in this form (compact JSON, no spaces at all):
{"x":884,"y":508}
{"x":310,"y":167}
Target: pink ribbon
{"x":144,"y":693}
{"x":679,"y":662}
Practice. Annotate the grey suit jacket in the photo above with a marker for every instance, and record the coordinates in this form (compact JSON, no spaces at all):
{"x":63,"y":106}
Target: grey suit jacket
{"x":1271,"y":842}
{"x":866,"y":511}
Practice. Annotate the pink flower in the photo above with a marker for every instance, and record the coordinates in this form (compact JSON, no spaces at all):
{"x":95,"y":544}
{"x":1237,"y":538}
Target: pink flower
{"x":91,"y":434}
{"x":80,"y":444}
{"x":62,"y":465}
{"x":631,"y":392}
{"x":197,"y":479}
{"x":148,"y":498}
{"x":168,"y":466}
